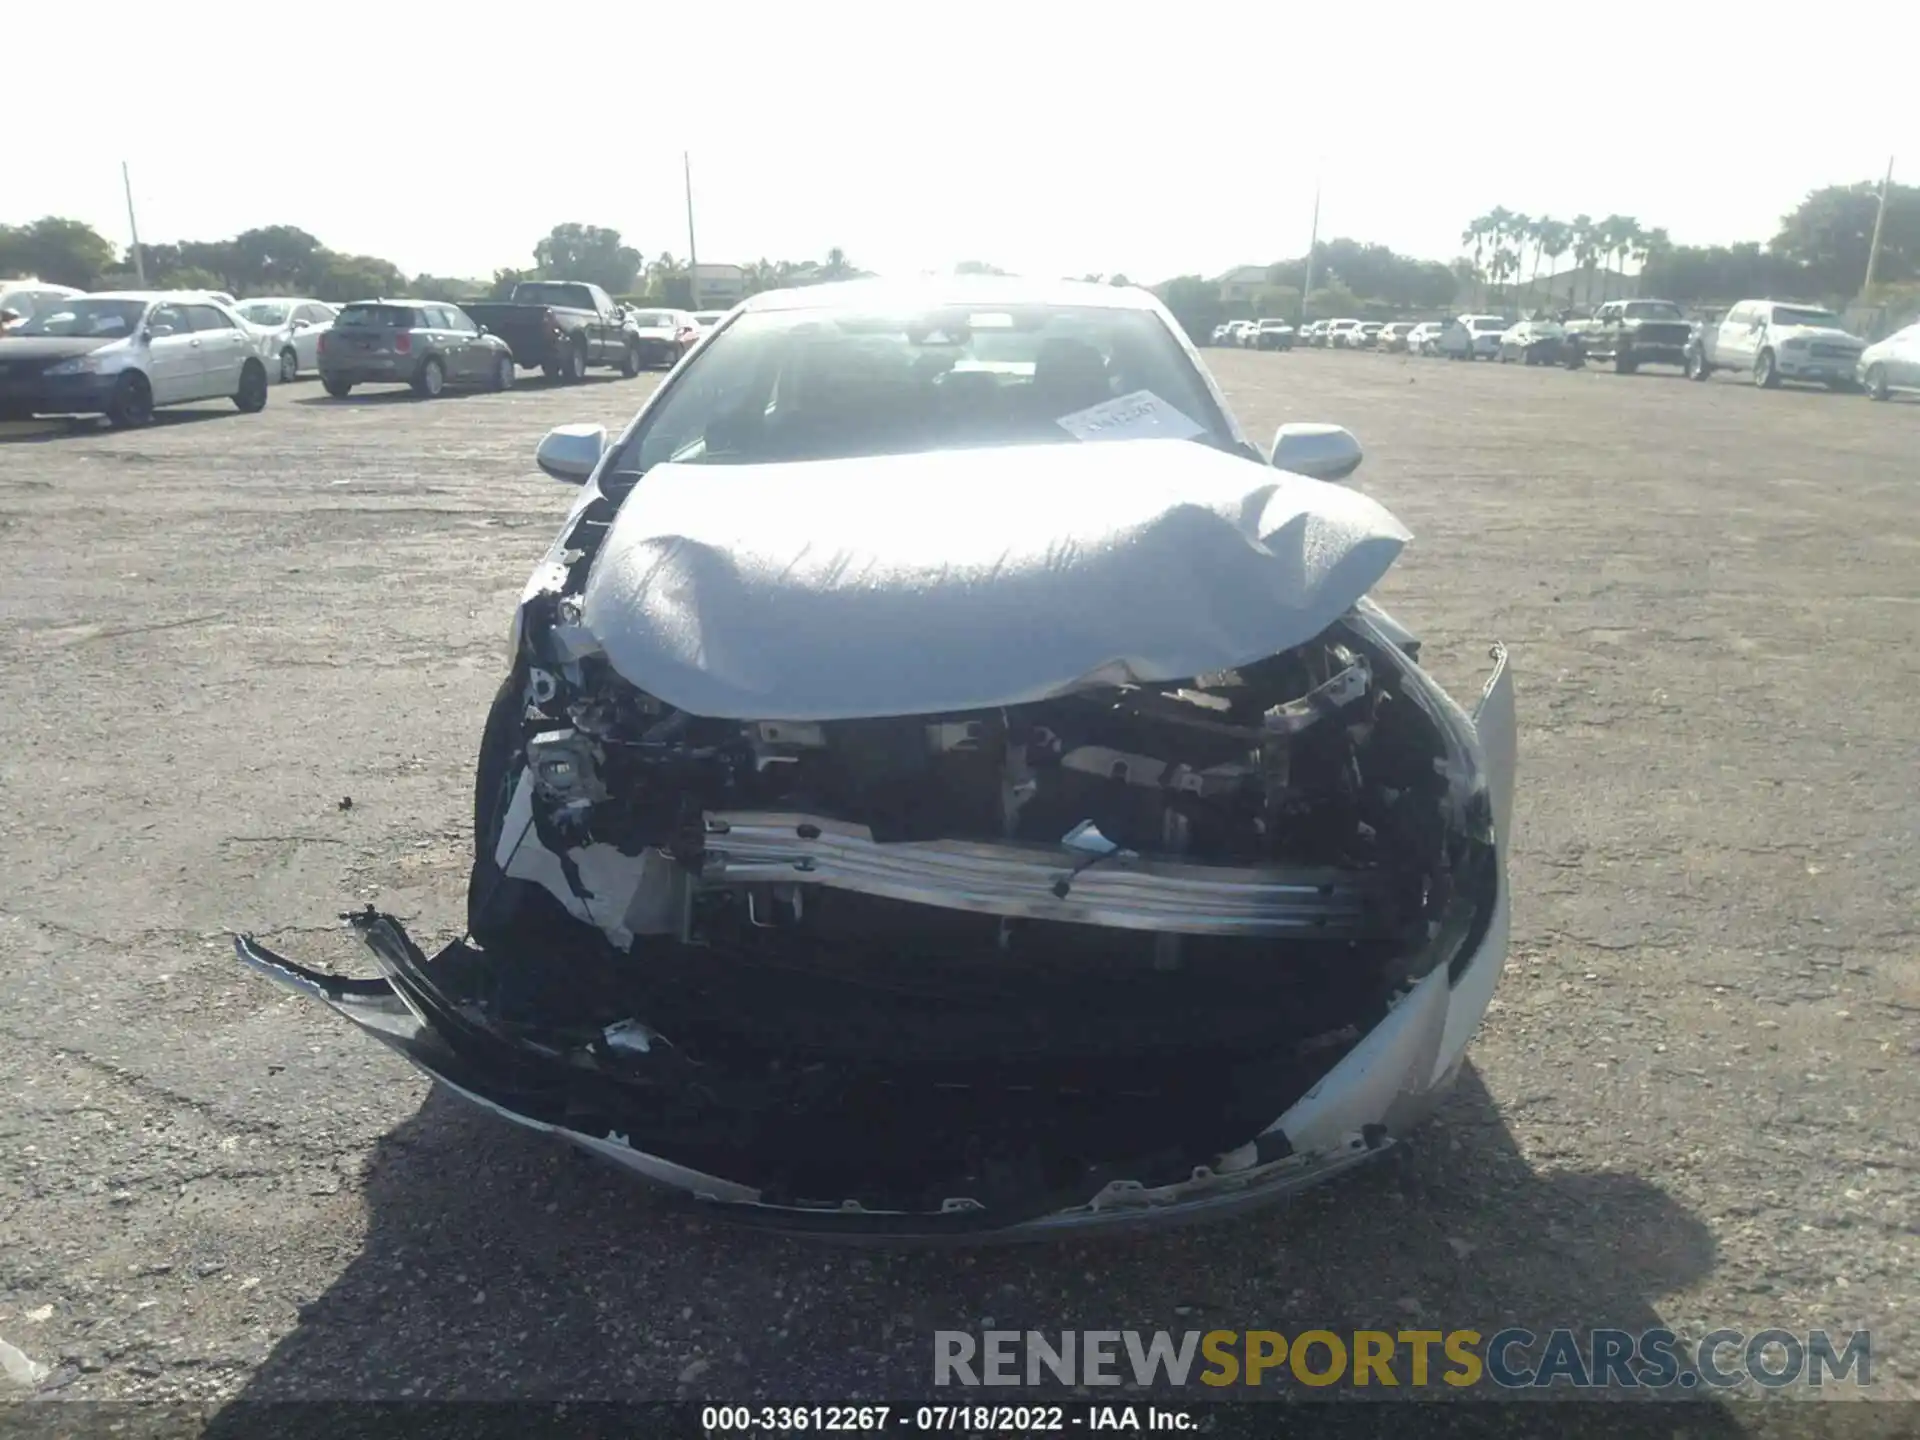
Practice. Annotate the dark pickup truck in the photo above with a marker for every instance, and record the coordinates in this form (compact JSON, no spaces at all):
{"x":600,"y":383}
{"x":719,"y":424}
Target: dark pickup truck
{"x":562,"y":326}
{"x":1630,"y":333}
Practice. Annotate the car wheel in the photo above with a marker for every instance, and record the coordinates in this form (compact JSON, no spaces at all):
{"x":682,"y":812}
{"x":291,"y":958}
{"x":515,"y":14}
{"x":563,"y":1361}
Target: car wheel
{"x":251,"y":397}
{"x":630,"y":361}
{"x":431,"y":380}
{"x":1877,"y":388}
{"x":131,"y":403}
{"x":289,"y":366}
{"x":1765,"y":373}
{"x":502,"y":373}
{"x":339,"y":389}
{"x":500,"y":907}
{"x":575,"y":361}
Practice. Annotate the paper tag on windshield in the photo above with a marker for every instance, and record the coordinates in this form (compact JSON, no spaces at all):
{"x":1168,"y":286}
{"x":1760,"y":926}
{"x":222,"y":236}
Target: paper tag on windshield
{"x":1142,"y":415}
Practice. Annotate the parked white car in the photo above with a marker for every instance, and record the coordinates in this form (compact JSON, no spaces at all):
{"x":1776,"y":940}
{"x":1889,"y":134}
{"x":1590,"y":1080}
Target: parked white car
{"x":293,"y":326}
{"x":1774,"y":340}
{"x":1424,"y":338}
{"x":1338,"y":332}
{"x":1473,"y":337}
{"x":1892,"y":364}
{"x":123,"y":353}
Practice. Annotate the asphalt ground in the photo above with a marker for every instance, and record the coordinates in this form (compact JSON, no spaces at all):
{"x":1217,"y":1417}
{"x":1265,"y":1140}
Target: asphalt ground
{"x":1693,"y":1103}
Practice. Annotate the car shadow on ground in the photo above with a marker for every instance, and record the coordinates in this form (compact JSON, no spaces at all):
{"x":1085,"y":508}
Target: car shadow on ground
{"x":498,"y":1264}
{"x":63,"y":427}
{"x":404,"y":395}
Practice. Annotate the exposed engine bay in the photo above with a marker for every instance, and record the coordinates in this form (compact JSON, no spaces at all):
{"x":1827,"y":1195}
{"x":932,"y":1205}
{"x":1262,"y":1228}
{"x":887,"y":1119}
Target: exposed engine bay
{"x":978,"y":958}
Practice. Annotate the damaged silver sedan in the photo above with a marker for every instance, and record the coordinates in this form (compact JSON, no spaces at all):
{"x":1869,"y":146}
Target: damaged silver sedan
{"x":950,"y":782}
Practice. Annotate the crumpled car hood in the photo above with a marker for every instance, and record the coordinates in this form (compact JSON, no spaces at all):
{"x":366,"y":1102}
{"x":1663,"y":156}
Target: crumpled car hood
{"x":967,"y":579}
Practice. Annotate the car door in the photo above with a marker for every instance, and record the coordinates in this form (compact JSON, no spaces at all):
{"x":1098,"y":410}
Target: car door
{"x":306,"y":338}
{"x":174,"y":368}
{"x":436,"y":336}
{"x":607,"y":341}
{"x":1735,"y":343}
{"x":476,"y":360}
{"x":1903,"y":359}
{"x":224,"y":348}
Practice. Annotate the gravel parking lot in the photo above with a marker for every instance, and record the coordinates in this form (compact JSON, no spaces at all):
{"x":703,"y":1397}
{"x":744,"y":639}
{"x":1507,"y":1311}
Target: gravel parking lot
{"x":248,"y":660}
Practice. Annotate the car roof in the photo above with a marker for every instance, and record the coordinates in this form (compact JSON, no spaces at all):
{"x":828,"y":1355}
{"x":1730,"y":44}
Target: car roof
{"x":284,"y":300}
{"x":950,"y":290}
{"x":206,"y":295}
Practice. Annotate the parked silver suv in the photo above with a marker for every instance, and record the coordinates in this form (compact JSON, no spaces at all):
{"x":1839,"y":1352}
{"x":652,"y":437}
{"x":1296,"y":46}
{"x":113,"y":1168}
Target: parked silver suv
{"x":426,"y":344}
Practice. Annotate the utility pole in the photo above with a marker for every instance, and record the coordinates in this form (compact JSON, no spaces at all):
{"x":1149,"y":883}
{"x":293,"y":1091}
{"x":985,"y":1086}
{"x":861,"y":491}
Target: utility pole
{"x":693,"y":266}
{"x":1879,"y":224}
{"x":1313,"y":243}
{"x":139,"y":260}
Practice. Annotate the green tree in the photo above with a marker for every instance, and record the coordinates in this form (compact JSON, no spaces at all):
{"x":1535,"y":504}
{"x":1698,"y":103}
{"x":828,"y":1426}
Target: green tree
{"x":66,"y":252}
{"x":1195,"y":303}
{"x":275,"y":259}
{"x":345,"y":278}
{"x":1586,"y":251}
{"x":590,"y":253}
{"x":1828,"y":234}
{"x":978,"y":267}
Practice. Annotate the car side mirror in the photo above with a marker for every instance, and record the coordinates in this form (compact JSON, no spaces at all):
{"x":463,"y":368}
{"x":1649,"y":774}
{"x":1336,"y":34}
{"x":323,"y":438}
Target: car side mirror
{"x":570,"y":452}
{"x":301,"y":324}
{"x":157,"y":332}
{"x":1320,"y":452}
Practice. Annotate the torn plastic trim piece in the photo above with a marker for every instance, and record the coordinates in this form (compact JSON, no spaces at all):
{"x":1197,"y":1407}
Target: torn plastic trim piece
{"x":1021,"y":881}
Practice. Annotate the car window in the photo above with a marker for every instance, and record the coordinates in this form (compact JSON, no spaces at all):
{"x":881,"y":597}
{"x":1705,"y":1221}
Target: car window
{"x":813,"y":384}
{"x":169,"y":317}
{"x":205,"y":317}
{"x":271,"y":313}
{"x":457,"y":319}
{"x":1806,"y":315}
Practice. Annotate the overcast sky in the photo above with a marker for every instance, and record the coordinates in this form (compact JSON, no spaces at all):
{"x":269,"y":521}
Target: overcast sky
{"x":1047,"y":137}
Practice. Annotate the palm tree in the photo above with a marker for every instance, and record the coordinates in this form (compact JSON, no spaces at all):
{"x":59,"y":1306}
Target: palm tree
{"x":1585,"y":242}
{"x":1476,"y":233}
{"x":1554,"y":238}
{"x":836,"y":267}
{"x":1618,"y":235}
{"x":1655,"y":246}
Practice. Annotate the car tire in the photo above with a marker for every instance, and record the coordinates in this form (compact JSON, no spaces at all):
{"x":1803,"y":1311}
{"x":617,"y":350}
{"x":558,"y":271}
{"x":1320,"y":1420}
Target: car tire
{"x":1766,"y":374}
{"x":574,"y":364}
{"x":251,"y":397}
{"x":430,"y":380}
{"x":131,"y":403}
{"x":289,"y":366}
{"x":1876,"y":386}
{"x":502,"y":373}
{"x":500,"y":908}
{"x":339,"y":389}
{"x":630,"y":360}
{"x":1697,"y":366}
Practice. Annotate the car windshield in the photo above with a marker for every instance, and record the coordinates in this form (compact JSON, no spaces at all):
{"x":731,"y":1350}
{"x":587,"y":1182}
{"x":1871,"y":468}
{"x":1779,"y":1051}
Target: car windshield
{"x":375,"y":317}
{"x":1795,"y":315}
{"x":653,"y":320}
{"x":265,"y":312}
{"x":1653,"y":310}
{"x":820,"y":384}
{"x":1488,"y":322}
{"x":106,"y":318}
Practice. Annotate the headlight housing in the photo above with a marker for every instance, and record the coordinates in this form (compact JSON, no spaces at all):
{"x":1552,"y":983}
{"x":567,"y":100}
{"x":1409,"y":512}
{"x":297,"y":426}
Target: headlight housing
{"x":101,"y":362}
{"x":1794,"y":345}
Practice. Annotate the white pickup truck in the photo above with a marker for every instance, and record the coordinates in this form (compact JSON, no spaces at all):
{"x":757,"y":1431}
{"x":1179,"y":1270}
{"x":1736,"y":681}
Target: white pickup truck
{"x":1773,"y":340}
